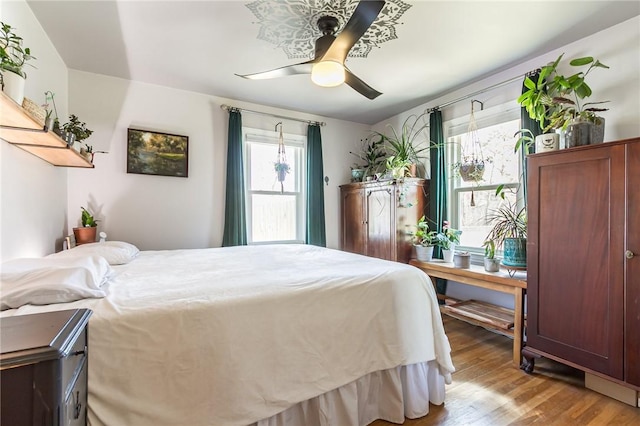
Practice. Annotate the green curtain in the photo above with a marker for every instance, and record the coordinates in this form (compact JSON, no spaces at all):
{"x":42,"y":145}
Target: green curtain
{"x":315,"y":232}
{"x":235,"y":229}
{"x":527,"y":122}
{"x":437,"y":184}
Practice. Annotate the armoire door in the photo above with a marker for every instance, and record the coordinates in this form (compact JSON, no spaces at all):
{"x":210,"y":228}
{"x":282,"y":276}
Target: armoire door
{"x":575,"y":265}
{"x":632,"y":269}
{"x":380,"y":222}
{"x":353,"y":220}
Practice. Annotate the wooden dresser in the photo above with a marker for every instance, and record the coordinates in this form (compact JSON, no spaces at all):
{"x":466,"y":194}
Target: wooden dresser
{"x":43,"y":368}
{"x":378,"y":217}
{"x":583,"y":260}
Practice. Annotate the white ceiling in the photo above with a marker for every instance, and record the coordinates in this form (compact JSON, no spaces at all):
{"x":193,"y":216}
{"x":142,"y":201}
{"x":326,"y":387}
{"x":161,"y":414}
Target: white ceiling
{"x":200,"y":45}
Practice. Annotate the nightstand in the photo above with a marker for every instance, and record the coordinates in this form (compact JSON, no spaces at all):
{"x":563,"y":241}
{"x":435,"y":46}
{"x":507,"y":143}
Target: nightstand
{"x":43,"y":368}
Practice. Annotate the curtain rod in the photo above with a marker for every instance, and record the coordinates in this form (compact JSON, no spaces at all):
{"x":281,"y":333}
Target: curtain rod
{"x":227,"y":108}
{"x":479,"y":92}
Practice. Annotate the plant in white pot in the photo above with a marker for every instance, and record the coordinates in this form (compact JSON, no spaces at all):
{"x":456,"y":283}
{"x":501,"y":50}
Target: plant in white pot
{"x":424,"y":241}
{"x":448,"y":239}
{"x":13,"y":58}
{"x":86,"y":233}
{"x":491,"y":262}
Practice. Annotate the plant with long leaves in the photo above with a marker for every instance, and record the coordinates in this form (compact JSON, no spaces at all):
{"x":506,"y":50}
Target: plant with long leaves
{"x":87,"y":218}
{"x":403,"y":145}
{"x":509,"y":221}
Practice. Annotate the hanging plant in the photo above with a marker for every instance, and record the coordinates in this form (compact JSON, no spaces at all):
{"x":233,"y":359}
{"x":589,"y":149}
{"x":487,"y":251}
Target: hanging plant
{"x":281,"y":165}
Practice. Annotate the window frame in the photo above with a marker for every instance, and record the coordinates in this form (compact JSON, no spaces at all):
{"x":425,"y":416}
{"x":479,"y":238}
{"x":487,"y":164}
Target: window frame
{"x":458,"y":128}
{"x":258,"y":136}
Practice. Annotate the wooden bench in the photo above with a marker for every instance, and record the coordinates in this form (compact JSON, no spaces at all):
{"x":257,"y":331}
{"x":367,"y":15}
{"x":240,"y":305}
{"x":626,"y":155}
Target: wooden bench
{"x":501,"y":320}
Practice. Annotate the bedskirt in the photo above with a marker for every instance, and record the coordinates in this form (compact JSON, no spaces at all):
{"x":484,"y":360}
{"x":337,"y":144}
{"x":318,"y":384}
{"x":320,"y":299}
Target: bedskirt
{"x":390,"y":395}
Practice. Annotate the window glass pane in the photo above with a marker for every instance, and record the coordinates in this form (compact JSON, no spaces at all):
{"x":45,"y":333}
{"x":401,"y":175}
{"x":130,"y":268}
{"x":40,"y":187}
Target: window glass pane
{"x":263,"y":176}
{"x":473,"y":219}
{"x":501,"y":163}
{"x":273,"y":217}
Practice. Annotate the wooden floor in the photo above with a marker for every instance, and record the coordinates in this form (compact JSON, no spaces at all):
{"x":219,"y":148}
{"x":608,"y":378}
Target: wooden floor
{"x":488,"y":390}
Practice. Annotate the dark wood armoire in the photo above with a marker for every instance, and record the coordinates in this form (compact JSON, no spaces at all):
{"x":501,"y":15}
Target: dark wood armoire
{"x":583,"y":264}
{"x":379,"y":217}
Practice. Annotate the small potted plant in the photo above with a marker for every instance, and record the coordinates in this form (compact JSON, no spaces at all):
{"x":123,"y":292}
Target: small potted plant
{"x":491,"y":262}
{"x":448,"y":239}
{"x":372,"y":157}
{"x":424,"y":241}
{"x":510,"y":232}
{"x":86,"y":233}
{"x":75,"y":130}
{"x":13,"y":58}
{"x":404,"y":148}
{"x":462,"y":260}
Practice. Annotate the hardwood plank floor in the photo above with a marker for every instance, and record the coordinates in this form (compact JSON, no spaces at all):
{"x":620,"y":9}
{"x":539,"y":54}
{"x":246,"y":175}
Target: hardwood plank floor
{"x":488,"y":390}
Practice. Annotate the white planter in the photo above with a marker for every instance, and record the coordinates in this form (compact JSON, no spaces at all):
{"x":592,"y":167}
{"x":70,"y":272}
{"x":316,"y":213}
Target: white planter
{"x":13,"y":86}
{"x":447,"y":255}
{"x":547,"y":142}
{"x":424,"y":253}
{"x":491,"y":265}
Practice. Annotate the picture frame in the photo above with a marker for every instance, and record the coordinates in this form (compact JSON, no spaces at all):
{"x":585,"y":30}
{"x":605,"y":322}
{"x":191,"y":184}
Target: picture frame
{"x":157,"y":153}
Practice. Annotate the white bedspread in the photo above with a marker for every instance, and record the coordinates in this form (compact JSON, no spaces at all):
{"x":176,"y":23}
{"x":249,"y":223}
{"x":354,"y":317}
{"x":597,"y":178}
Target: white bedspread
{"x":229,"y":336}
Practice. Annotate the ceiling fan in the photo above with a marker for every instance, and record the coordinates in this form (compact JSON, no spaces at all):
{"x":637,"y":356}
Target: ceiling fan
{"x":327,"y":68}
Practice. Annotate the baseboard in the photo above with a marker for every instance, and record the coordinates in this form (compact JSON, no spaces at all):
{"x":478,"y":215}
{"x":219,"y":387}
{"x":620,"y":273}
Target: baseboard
{"x":612,"y":390}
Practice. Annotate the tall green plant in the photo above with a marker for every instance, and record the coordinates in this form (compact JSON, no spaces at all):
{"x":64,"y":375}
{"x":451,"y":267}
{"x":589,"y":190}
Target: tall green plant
{"x":13,"y":57}
{"x":508,"y":221}
{"x":403,"y":144}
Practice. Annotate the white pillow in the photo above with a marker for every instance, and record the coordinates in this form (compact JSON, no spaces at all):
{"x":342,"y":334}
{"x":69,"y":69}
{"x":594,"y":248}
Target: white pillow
{"x":116,"y":252}
{"x":43,"y":281}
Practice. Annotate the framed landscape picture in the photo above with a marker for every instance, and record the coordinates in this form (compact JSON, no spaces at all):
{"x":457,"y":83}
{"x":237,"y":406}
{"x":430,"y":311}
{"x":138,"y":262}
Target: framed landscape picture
{"x":154,"y":153}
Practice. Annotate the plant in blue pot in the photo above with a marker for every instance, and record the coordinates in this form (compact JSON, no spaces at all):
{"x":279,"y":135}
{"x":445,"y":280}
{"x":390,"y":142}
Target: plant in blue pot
{"x":510,"y":232}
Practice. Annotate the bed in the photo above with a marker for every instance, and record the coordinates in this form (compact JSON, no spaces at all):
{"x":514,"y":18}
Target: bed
{"x":265,"y":335}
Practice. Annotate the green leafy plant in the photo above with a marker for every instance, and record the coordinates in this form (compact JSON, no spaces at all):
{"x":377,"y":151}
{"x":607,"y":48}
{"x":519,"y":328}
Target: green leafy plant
{"x":372,"y":156}
{"x":403,"y":146}
{"x":76,"y":127}
{"x":13,"y":57}
{"x":281,"y":167}
{"x":555,"y":100}
{"x":508,"y":221}
{"x":423,"y":236}
{"x":87,"y":218}
{"x":489,"y":249}
{"x":448,"y":236}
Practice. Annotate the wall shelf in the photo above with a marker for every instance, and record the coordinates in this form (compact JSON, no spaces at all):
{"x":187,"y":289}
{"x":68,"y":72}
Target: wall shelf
{"x":19,"y":129}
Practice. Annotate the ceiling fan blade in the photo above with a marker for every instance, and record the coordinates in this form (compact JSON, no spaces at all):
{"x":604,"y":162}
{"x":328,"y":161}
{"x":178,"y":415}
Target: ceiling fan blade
{"x":365,"y":14}
{"x":360,"y":86}
{"x":303,"y":68}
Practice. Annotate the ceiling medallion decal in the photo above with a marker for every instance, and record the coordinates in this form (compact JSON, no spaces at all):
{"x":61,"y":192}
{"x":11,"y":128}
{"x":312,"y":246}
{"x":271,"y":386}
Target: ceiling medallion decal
{"x":293,"y":25}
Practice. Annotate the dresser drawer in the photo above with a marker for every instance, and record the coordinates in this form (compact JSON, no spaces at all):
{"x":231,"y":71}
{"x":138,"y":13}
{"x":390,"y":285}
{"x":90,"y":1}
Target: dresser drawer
{"x":74,"y":410}
{"x":72,"y":363}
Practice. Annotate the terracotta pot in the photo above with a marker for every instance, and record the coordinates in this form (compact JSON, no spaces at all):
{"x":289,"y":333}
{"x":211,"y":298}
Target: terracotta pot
{"x":85,"y":235}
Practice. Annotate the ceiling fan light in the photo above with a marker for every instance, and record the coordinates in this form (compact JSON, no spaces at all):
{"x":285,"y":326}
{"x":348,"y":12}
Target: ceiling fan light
{"x":327,"y":74}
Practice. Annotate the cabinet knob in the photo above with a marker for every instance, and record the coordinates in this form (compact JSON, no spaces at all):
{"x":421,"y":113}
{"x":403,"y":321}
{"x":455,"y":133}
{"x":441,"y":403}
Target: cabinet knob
{"x":628,"y":254}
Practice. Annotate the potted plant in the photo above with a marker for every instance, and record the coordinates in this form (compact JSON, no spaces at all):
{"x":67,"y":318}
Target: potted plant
{"x":424,"y":240}
{"x":86,"y":233}
{"x":448,"y":239}
{"x":13,"y":58}
{"x":75,"y":130}
{"x":510,"y":232}
{"x":462,"y":260}
{"x":403,"y":147}
{"x":371,"y":155}
{"x":555,"y":102}
{"x":491,"y":262}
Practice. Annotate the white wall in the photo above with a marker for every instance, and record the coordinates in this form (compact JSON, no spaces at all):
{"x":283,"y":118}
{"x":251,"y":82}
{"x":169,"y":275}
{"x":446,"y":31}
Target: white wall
{"x":158,"y":212}
{"x":33,"y":194}
{"x":618,"y":47}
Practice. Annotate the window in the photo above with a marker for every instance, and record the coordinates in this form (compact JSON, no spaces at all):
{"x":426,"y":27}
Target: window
{"x":496,"y":131}
{"x":274,"y":213}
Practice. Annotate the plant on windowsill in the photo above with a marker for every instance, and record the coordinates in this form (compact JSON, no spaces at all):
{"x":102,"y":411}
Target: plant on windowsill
{"x":424,"y":240}
{"x":491,"y":262}
{"x":86,"y":233}
{"x":447,"y":240}
{"x":509,"y":231}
